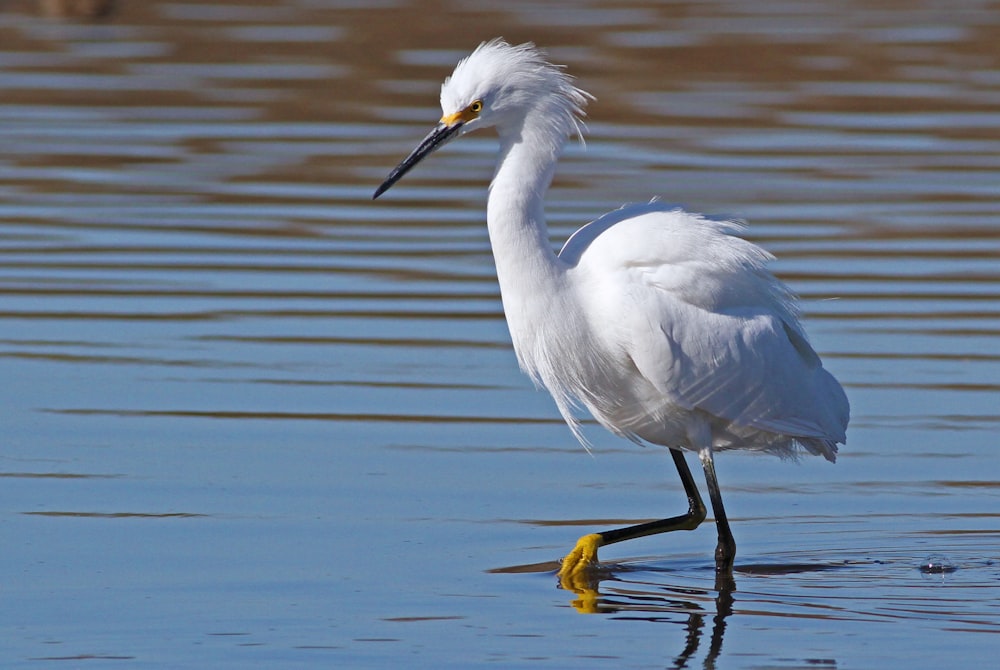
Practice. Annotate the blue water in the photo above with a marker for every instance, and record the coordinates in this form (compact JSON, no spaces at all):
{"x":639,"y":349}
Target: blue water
{"x":252,"y":419}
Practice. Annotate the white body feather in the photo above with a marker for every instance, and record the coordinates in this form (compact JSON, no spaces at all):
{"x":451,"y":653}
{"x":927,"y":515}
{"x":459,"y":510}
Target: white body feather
{"x":666,"y":326}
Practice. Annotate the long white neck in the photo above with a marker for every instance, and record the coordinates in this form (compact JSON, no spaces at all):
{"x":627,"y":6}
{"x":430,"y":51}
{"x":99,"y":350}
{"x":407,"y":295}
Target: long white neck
{"x":530,"y":274}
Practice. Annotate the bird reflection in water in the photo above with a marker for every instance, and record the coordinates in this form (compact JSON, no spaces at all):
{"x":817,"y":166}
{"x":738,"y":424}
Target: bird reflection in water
{"x":649,"y":601}
{"x":626,"y":598}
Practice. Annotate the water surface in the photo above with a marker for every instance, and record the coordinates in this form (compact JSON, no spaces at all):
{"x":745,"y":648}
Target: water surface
{"x":253,"y":419}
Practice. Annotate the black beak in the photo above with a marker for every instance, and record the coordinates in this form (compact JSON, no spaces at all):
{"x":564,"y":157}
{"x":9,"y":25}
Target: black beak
{"x":436,"y":138}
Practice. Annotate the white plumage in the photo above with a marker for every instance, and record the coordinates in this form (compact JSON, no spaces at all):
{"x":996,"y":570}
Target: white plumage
{"x":701,"y":333}
{"x":666,"y":326}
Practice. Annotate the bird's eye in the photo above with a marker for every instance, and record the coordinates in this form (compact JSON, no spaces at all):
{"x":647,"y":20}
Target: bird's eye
{"x":476,"y":107}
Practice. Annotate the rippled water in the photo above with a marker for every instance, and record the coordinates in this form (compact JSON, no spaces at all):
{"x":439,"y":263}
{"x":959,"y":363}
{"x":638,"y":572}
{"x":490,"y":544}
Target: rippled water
{"x":251,"y":418}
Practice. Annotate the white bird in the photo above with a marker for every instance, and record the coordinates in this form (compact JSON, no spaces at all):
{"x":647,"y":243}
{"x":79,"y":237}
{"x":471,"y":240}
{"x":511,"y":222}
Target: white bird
{"x":666,"y":326}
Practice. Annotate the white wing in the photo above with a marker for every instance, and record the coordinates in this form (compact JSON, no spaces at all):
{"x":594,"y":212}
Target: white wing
{"x":706,"y":323}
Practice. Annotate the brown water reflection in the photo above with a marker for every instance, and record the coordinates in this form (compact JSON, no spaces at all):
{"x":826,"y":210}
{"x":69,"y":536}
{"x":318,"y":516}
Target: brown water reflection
{"x":248,"y":409}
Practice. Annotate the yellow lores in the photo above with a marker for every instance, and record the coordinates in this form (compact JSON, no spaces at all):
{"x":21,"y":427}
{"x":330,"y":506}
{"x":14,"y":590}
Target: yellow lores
{"x":464,"y":115}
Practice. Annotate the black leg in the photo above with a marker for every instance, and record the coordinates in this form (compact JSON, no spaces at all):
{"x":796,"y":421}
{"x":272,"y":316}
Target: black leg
{"x":725,"y":550}
{"x":584,"y":554}
{"x":695,"y":514}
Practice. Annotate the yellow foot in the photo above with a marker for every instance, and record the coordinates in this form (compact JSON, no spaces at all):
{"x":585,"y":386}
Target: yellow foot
{"x":576,"y":573}
{"x":582,"y":558}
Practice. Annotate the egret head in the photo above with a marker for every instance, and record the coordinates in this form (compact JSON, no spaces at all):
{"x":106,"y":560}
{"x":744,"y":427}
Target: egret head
{"x":500,"y":85}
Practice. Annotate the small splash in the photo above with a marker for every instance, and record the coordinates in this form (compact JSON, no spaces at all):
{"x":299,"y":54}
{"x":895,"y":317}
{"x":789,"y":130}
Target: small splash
{"x":937,"y":564}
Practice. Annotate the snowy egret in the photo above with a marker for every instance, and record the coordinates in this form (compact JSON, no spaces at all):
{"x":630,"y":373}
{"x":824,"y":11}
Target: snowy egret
{"x":666,"y":326}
